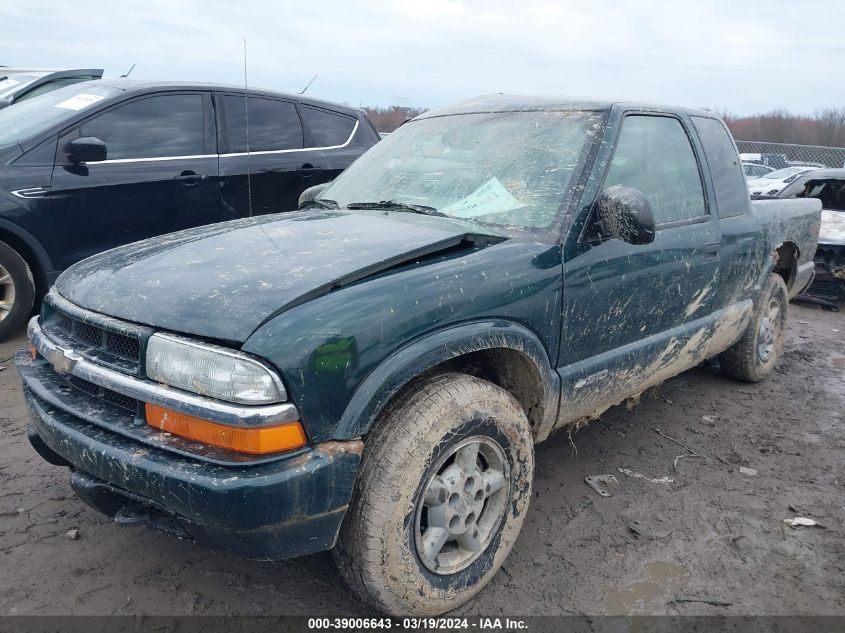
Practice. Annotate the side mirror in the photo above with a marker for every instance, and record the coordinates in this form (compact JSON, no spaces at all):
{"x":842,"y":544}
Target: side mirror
{"x":88,"y":149}
{"x":311,"y":193}
{"x":625,"y":213}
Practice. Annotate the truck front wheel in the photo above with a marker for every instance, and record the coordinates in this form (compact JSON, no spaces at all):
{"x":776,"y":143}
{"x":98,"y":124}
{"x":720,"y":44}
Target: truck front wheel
{"x":755,"y":355}
{"x":442,"y":492}
{"x":17,"y":291}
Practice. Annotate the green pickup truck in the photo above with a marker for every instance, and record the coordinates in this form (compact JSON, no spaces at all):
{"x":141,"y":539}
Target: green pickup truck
{"x":370,"y":373}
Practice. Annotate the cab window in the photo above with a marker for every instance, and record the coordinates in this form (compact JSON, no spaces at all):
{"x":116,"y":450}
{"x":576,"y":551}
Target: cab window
{"x":723,"y":161}
{"x":654,"y":155}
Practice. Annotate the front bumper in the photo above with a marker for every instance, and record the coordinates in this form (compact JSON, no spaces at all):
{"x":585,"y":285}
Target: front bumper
{"x":274,"y":510}
{"x":73,"y":364}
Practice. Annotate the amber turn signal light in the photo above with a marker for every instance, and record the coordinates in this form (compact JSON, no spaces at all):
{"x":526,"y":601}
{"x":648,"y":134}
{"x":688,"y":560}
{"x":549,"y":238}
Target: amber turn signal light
{"x":254,"y":440}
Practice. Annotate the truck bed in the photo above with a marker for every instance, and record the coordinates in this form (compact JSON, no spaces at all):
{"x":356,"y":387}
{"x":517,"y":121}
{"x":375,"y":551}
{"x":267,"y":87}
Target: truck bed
{"x":791,"y":221}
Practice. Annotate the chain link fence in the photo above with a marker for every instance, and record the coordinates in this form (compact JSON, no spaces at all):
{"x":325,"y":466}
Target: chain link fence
{"x":780,"y":155}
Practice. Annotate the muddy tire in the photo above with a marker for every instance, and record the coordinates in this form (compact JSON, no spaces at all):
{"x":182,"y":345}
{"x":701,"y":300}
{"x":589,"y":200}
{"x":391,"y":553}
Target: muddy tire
{"x":17,"y":291}
{"x":442,"y":492}
{"x":755,"y":355}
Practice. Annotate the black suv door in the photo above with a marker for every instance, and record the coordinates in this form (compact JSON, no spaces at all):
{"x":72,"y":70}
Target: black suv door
{"x":292,"y":146}
{"x":330,"y":136}
{"x":268,"y":178}
{"x":160,"y":174}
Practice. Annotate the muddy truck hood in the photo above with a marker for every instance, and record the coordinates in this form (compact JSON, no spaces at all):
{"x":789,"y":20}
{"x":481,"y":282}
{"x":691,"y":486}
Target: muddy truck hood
{"x":223,"y":281}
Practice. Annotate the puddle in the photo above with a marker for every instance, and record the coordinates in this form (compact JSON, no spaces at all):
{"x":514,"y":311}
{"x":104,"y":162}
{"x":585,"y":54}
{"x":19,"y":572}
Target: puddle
{"x":643,"y":597}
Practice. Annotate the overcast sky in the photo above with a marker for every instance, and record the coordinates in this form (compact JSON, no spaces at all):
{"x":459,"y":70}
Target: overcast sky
{"x":743,"y":56}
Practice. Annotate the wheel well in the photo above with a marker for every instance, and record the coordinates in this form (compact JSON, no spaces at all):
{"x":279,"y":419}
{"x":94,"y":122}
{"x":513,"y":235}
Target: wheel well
{"x":507,"y":368}
{"x":786,"y":263}
{"x":23,"y":249}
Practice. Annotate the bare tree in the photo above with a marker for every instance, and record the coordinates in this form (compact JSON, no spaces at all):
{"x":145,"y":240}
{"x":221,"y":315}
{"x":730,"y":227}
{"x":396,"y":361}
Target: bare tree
{"x":389,"y":118}
{"x":825,"y":127}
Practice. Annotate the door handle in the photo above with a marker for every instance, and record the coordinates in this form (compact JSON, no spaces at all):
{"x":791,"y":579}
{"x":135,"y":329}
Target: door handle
{"x":308,"y":170}
{"x":189,"y":178}
{"x":712,"y":249}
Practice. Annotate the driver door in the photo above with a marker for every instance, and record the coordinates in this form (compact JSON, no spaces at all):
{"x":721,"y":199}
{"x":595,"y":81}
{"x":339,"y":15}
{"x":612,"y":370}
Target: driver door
{"x":627,"y":308}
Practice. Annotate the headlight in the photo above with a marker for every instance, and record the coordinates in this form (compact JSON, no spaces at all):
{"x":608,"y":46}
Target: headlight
{"x":211,"y":371}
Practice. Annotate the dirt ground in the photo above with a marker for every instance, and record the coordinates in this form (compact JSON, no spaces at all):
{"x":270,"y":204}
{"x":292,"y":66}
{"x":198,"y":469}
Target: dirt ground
{"x":712,"y":542}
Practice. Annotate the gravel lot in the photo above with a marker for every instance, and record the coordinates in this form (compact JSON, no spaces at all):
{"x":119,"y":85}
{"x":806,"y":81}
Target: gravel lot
{"x":712,"y":542}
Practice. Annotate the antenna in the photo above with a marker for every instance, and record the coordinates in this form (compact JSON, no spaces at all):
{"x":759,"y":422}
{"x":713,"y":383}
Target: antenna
{"x":128,"y":71}
{"x":246,"y":117}
{"x":302,"y":92}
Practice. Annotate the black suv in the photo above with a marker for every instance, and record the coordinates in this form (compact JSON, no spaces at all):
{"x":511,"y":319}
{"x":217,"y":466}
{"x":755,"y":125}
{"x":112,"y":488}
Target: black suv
{"x":98,"y":164}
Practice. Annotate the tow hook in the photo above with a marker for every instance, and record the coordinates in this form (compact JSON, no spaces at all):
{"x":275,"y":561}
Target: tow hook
{"x":132,"y":515}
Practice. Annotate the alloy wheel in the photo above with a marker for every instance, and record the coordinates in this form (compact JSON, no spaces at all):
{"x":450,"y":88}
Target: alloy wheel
{"x":7,"y":293}
{"x":767,"y":335}
{"x":462,"y":506}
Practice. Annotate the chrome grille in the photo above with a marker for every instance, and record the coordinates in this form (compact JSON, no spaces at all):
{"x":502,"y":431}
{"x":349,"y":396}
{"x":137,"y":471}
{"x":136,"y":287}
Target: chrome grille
{"x":124,"y":346}
{"x":88,"y":334}
{"x":127,"y":347}
{"x":101,"y":339}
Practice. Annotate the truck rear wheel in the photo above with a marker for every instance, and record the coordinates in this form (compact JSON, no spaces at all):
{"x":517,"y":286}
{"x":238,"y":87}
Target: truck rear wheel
{"x":755,"y":355}
{"x":442,"y":492}
{"x":17,"y":291}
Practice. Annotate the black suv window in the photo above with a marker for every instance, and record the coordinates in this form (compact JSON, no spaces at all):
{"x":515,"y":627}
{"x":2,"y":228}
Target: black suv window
{"x":328,"y":128}
{"x":723,"y":161}
{"x":160,"y":126}
{"x":655,"y":156}
{"x":273,"y":124}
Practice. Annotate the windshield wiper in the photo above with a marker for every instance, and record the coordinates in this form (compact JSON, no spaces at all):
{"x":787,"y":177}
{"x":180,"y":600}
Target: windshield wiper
{"x":398,"y":206}
{"x":322,"y":203}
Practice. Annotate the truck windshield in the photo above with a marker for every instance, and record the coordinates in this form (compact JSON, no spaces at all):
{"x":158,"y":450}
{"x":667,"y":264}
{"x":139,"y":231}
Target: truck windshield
{"x":29,"y":117}
{"x":510,"y":169}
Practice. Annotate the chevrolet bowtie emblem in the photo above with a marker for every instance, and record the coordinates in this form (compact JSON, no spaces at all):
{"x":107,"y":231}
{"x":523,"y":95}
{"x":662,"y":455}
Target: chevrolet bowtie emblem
{"x":64,"y":360}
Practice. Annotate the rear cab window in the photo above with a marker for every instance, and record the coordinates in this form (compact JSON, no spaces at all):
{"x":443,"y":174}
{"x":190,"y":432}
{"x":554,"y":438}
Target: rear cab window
{"x":723,"y":162}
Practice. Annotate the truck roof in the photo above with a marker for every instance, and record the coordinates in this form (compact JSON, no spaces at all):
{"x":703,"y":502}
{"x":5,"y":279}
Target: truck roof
{"x":549,"y":103}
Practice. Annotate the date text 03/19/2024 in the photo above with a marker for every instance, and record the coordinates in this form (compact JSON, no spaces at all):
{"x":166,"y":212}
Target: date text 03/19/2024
{"x":413,"y":624}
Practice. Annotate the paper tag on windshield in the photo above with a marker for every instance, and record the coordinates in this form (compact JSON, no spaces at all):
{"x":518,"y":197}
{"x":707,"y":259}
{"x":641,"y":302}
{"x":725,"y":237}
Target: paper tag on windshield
{"x":76,"y":103}
{"x":491,"y":197}
{"x":7,"y":83}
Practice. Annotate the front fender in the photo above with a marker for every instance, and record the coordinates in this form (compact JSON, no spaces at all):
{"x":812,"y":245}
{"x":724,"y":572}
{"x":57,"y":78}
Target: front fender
{"x":410,"y":361}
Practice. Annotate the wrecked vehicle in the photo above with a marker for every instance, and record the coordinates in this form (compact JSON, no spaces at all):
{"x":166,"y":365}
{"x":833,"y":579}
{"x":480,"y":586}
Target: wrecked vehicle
{"x":828,"y":186}
{"x":372,"y":375}
{"x":774,"y":182}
